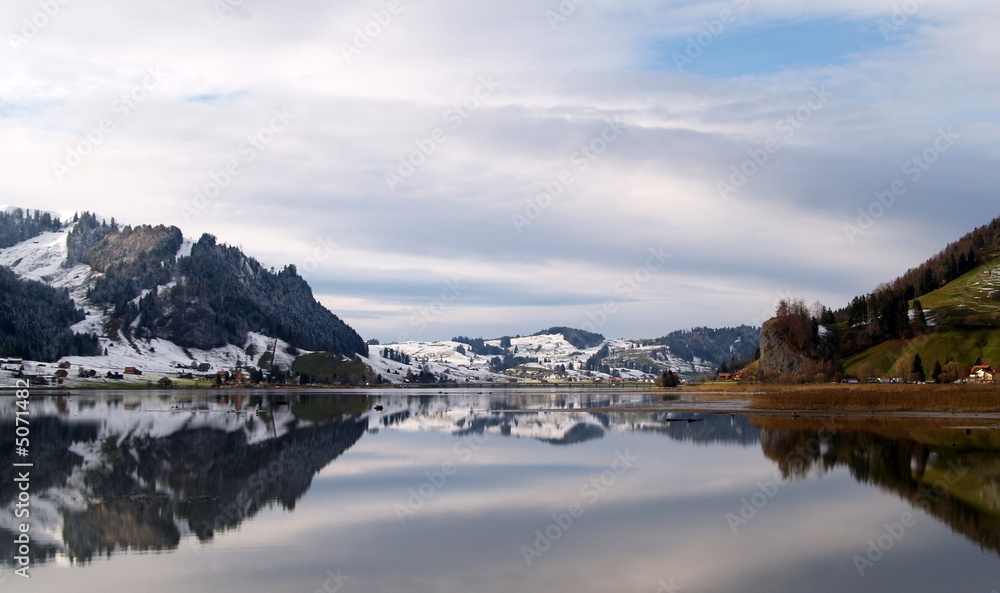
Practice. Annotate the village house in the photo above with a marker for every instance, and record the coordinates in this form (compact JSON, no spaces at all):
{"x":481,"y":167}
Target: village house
{"x":62,"y":374}
{"x":132,"y":371}
{"x":982,"y":374}
{"x":64,"y":364}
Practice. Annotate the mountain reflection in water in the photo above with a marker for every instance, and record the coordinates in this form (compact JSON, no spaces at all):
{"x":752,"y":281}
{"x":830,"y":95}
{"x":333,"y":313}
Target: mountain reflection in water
{"x":117,"y":473}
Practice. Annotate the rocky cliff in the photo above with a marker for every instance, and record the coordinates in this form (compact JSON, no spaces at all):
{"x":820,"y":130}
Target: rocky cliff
{"x":785,"y":348}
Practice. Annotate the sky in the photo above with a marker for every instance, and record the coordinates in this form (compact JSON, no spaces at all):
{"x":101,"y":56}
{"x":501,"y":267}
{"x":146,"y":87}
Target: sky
{"x":499,"y":167}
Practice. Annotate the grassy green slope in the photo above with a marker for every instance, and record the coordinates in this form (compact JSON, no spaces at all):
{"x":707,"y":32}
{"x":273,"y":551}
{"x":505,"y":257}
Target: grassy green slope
{"x":968,"y":296}
{"x":967,"y":327}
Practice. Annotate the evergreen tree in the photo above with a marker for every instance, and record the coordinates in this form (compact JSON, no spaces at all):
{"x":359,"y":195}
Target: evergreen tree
{"x":917,"y":371}
{"x":919,"y":318}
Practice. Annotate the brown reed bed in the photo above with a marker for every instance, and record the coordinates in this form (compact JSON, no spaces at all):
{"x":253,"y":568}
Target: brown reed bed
{"x":965,"y":398}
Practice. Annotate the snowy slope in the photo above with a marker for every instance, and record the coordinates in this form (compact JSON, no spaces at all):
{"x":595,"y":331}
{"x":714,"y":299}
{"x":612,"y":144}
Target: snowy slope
{"x":551,"y":351}
{"x":42,"y":258}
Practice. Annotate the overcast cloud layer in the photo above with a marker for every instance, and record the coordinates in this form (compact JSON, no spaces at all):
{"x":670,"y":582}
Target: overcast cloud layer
{"x":498,"y":167}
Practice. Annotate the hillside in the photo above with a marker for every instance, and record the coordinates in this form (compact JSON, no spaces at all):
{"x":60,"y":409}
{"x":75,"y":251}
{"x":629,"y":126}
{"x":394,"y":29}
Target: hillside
{"x":17,"y":225}
{"x":203,"y":295}
{"x":558,"y":354}
{"x":963,"y":318}
{"x":933,"y":322}
{"x":108,"y":297}
{"x":36,"y":320}
{"x":718,"y":345}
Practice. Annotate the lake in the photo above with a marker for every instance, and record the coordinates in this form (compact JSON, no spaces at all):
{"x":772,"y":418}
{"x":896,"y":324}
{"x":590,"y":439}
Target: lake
{"x":484,"y":490}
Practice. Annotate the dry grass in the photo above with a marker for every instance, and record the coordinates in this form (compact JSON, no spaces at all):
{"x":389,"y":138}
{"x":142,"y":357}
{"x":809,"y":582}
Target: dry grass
{"x":879,"y":398}
{"x":897,"y":428}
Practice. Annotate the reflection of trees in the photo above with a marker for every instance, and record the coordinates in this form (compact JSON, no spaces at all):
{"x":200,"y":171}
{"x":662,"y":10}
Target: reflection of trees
{"x":951,"y":476}
{"x":214,"y":479}
{"x":704,"y":429}
{"x":53,"y":462}
{"x":134,"y":496}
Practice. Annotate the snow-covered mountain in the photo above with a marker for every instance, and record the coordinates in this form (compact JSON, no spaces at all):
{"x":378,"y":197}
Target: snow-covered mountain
{"x":162,"y":312}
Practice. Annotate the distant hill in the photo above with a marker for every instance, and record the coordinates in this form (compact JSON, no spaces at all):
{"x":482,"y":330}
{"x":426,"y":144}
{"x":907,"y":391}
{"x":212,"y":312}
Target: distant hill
{"x":716,"y":345}
{"x":562,"y":354}
{"x":582,"y":339}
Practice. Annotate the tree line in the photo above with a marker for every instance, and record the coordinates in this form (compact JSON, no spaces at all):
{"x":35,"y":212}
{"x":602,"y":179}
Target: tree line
{"x":36,"y":320}
{"x":20,"y":225}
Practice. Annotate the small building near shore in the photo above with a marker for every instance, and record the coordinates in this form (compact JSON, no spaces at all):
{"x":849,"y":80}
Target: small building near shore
{"x":983,"y":374}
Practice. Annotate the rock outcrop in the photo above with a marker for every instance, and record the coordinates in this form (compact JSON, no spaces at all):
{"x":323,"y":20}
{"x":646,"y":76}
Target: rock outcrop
{"x":784,"y":348}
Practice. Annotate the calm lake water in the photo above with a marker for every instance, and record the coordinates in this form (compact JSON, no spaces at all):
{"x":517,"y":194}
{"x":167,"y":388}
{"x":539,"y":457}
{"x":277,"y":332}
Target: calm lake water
{"x":514,"y":490}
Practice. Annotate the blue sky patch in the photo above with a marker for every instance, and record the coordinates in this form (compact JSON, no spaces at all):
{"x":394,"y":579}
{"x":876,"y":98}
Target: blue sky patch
{"x":766,"y":48}
{"x":215,"y":98}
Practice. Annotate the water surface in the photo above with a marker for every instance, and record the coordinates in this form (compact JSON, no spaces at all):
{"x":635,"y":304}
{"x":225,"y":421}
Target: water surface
{"x":510,"y":490}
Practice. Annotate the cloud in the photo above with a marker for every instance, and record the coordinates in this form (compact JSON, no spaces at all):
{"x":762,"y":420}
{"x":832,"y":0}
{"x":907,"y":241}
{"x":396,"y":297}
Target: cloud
{"x":493,"y":111}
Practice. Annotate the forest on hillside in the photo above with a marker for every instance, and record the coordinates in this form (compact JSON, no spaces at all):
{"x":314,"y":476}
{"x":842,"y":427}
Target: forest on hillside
{"x":717,"y":345}
{"x":212,"y":297}
{"x":20,"y":225}
{"x":35,"y":321}
{"x":893,"y":310}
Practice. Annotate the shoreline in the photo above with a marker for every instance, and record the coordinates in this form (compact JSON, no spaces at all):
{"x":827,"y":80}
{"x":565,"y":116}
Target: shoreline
{"x":962,"y":401}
